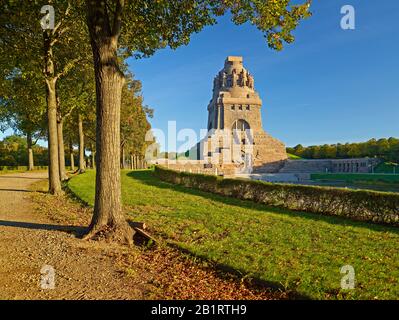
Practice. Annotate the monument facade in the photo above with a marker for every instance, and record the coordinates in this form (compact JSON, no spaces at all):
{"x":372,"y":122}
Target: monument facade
{"x":235,"y":132}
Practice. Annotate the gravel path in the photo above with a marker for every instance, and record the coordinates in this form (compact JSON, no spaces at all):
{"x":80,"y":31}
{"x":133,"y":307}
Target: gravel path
{"x":30,"y":240}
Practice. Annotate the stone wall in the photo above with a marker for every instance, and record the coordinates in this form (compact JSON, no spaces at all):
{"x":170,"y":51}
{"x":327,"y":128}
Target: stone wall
{"x":357,"y":165}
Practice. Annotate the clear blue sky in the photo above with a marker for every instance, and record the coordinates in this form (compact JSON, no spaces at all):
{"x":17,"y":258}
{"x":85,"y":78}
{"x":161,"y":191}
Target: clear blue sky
{"x":329,"y":86}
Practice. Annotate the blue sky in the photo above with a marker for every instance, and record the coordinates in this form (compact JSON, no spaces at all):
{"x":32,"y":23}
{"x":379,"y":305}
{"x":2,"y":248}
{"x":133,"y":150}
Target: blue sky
{"x":329,"y":86}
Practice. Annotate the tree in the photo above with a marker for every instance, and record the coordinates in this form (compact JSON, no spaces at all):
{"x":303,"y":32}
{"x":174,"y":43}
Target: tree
{"x":13,"y":152}
{"x":139,"y":28}
{"x":75,"y":95}
{"x":134,"y":124}
{"x":387,"y":149}
{"x":49,"y":52}
{"x":298,"y":150}
{"x":22,"y":105}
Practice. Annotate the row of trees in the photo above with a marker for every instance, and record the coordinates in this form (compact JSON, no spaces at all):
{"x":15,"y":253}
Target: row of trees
{"x":387,"y":149}
{"x":14,"y":152}
{"x":84,"y":52}
{"x":26,"y":96}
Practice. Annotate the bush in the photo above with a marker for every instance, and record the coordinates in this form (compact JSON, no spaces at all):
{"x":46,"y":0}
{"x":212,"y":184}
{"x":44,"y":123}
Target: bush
{"x":361,"y":205}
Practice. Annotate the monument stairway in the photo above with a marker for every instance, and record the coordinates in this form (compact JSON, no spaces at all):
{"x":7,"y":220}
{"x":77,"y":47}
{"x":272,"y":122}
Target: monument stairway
{"x":306,"y":166}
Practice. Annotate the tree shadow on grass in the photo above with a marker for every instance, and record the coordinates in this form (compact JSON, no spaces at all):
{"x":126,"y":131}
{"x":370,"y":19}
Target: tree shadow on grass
{"x":75,"y":230}
{"x":148,"y":177}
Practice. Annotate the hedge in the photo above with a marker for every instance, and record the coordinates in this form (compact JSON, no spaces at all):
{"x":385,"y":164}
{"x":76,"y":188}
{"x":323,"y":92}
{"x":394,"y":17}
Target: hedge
{"x":360,"y":205}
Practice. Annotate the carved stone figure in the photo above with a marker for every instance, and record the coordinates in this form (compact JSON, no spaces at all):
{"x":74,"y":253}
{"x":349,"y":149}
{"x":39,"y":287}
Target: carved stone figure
{"x":243,"y":78}
{"x":234,"y":78}
{"x":223,"y":79}
{"x":251,"y":81}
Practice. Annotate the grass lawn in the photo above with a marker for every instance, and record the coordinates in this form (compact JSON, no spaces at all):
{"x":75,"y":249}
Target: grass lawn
{"x":296,"y":251}
{"x":356,"y":177}
{"x":293,"y":156}
{"x":18,"y":170}
{"x":12,"y":171}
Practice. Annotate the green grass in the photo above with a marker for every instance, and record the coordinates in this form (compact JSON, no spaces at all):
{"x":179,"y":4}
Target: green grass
{"x":19,"y":169}
{"x":293,"y":156}
{"x":297,"y":251}
{"x":386,"y":167}
{"x":356,"y":177}
{"x":12,"y":171}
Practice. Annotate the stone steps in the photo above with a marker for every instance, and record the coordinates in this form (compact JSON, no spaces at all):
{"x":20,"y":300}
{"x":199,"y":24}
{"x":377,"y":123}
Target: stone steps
{"x":306,"y":166}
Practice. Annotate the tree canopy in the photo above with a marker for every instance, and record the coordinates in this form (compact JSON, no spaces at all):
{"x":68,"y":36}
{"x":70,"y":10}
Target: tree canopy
{"x":387,"y":149}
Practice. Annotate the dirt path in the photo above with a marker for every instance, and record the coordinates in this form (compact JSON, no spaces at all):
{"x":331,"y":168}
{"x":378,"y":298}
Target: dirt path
{"x":37,"y":230}
{"x":30,"y":241}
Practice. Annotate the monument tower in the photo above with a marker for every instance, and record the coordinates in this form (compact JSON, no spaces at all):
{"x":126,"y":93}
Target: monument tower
{"x":236,"y":107}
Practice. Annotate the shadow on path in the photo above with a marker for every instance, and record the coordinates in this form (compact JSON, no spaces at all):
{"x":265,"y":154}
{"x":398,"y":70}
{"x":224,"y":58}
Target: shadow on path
{"x":21,"y":190}
{"x":77,"y":231}
{"x":21,"y":177}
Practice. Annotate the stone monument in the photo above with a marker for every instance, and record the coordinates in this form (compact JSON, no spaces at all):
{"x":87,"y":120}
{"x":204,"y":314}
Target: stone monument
{"x":235,"y":132}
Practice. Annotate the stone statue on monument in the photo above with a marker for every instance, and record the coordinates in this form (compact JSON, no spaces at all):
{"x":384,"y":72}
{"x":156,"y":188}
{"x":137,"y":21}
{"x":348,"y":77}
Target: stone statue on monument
{"x":234,"y":78}
{"x":222,"y":79}
{"x":250,"y":81}
{"x":243,"y":78}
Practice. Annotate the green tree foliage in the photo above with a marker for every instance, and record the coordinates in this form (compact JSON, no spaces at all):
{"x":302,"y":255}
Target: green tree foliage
{"x":24,"y":105}
{"x":13,"y":152}
{"x":387,"y":149}
{"x":134,"y":123}
{"x":22,"y":108}
{"x":49,"y":53}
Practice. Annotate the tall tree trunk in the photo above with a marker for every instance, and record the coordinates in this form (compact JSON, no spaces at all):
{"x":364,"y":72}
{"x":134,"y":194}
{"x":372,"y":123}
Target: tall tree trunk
{"x":123,"y":162}
{"x":31,"y":165}
{"x":108,"y":216}
{"x":54,"y":173}
{"x":131,"y":162}
{"x":93,"y":159}
{"x":82,"y":166}
{"x":71,"y":155}
{"x":51,"y":80}
{"x":61,"y":148}
{"x":92,"y":156}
